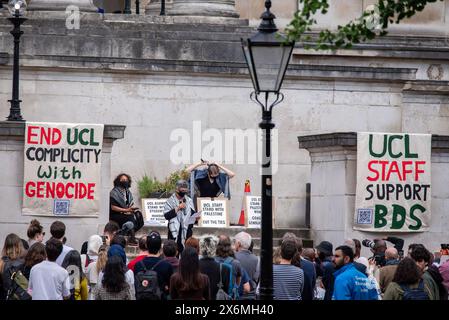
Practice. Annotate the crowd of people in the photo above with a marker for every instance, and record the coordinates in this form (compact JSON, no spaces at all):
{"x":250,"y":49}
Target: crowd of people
{"x":211,"y":268}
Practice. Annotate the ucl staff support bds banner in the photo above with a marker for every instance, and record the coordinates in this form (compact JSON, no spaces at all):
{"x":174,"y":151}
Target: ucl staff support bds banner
{"x":62,"y":169}
{"x":393,"y":182}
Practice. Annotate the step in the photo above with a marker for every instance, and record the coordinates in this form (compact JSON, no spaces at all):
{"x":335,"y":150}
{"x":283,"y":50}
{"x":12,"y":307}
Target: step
{"x":231,"y":231}
{"x":302,"y":233}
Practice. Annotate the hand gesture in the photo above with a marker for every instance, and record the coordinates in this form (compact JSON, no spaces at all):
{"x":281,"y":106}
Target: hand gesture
{"x":181,"y":206}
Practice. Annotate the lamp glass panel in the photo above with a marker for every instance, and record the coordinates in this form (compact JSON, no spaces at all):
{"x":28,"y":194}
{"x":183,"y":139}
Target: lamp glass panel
{"x":270,"y":63}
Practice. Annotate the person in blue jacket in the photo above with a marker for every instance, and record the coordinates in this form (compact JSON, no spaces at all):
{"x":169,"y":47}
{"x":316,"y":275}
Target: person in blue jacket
{"x":351,"y":284}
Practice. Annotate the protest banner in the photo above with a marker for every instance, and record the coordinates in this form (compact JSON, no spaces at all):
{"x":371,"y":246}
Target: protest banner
{"x":393,"y":182}
{"x":153,"y":209}
{"x":62,"y":169}
{"x":214,"y":212}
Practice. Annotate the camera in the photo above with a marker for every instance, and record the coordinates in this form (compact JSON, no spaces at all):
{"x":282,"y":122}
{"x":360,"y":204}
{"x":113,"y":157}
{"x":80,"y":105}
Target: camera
{"x":369,"y":244}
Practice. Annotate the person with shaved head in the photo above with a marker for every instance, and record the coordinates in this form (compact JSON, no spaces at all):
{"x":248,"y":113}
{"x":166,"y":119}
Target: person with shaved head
{"x":386,"y":274}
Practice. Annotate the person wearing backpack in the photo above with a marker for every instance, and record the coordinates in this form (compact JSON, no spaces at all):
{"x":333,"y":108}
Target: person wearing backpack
{"x":12,"y":261}
{"x":189,"y":283}
{"x":225,"y":256}
{"x":218,"y":275}
{"x":152,"y":274}
{"x":422,"y":259}
{"x":407,"y":283}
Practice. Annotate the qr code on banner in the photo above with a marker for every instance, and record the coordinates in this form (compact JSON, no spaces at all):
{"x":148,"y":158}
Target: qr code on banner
{"x":61,"y":207}
{"x":364,"y":216}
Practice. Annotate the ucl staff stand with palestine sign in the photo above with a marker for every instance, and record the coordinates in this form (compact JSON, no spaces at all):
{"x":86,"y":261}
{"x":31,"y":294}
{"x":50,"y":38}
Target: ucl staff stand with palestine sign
{"x":393,"y":182}
{"x":214,"y":212}
{"x":62,"y":169}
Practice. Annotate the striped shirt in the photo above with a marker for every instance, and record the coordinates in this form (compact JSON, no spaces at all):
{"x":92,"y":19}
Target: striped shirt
{"x":288,"y":282}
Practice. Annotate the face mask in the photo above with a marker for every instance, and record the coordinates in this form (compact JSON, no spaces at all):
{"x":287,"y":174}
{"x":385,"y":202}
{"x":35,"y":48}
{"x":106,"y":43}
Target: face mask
{"x":181,"y":193}
{"x":124,"y":184}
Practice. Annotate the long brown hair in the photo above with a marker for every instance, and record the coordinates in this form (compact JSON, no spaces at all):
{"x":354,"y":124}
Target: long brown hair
{"x":13,"y":249}
{"x":189,"y":270}
{"x":36,"y":254}
{"x":102,"y":258}
{"x":407,"y":272}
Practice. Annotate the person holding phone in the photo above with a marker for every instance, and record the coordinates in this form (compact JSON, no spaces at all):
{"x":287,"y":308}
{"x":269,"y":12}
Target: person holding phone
{"x":122,"y":207}
{"x":177,"y":210}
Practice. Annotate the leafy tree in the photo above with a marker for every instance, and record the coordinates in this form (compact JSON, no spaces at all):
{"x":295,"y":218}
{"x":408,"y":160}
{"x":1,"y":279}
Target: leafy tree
{"x":373,"y":22}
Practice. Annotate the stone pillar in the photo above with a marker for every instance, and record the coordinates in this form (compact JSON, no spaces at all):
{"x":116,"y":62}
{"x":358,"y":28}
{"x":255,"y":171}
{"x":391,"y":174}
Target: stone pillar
{"x":208,"y":8}
{"x":61,"y":5}
{"x":154,"y":7}
{"x":11,"y":187}
{"x":333,"y":180}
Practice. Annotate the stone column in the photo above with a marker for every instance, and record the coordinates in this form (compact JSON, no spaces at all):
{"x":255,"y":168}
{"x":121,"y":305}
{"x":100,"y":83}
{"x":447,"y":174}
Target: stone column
{"x":12,"y":139}
{"x":61,"y":5}
{"x":208,"y":8}
{"x":153,"y":7}
{"x":333,"y":181}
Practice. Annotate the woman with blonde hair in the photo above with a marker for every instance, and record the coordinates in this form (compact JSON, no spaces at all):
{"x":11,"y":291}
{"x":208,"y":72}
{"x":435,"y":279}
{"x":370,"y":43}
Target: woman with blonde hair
{"x":93,"y":270}
{"x":12,"y":259}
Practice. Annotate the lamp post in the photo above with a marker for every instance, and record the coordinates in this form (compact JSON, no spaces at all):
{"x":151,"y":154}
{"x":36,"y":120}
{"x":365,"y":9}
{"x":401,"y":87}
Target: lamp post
{"x":267,"y":54}
{"x":17,"y":9}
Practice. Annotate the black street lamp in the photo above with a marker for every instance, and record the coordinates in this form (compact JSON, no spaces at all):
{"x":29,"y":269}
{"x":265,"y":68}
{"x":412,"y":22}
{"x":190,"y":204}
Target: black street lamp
{"x":17,"y":9}
{"x":267,"y":54}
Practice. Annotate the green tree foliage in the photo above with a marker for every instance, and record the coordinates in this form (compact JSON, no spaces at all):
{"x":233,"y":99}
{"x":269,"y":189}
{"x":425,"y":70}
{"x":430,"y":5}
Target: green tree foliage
{"x":373,"y":22}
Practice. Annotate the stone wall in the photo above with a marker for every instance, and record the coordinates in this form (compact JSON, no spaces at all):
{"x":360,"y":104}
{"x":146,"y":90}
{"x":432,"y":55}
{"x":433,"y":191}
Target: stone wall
{"x":432,"y":20}
{"x":158,"y":74}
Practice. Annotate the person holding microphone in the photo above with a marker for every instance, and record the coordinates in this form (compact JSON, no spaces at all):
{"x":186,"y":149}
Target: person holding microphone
{"x":179,"y":210}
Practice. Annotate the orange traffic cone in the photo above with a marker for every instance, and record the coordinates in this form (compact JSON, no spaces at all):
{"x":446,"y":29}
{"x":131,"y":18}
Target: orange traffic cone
{"x":247,"y":192}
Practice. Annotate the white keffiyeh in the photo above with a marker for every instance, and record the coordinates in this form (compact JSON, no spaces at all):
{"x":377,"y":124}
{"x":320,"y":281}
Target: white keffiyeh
{"x":182,"y":218}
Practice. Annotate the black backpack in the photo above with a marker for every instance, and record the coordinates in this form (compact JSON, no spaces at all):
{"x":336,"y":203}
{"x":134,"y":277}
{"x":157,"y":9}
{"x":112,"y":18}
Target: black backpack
{"x":415,"y":294}
{"x":147,"y":283}
{"x":14,"y":282}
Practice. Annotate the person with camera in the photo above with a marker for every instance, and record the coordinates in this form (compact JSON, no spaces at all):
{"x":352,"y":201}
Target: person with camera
{"x":177,"y":210}
{"x":122,"y":209}
{"x":386,"y":274}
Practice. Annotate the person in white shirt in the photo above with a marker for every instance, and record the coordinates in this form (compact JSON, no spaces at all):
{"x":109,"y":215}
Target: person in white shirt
{"x":57,"y":230}
{"x":49,"y":281}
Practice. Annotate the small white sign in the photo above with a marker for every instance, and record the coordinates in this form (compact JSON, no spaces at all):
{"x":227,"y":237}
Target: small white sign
{"x":153,"y":210}
{"x":253,"y":210}
{"x":214,"y":213}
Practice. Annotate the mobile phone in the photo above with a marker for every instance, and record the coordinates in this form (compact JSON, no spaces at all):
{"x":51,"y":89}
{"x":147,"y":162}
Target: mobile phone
{"x":104,"y":239}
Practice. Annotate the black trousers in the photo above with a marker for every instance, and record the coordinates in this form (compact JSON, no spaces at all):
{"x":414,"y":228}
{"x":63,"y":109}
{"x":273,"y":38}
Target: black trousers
{"x":121,"y":218}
